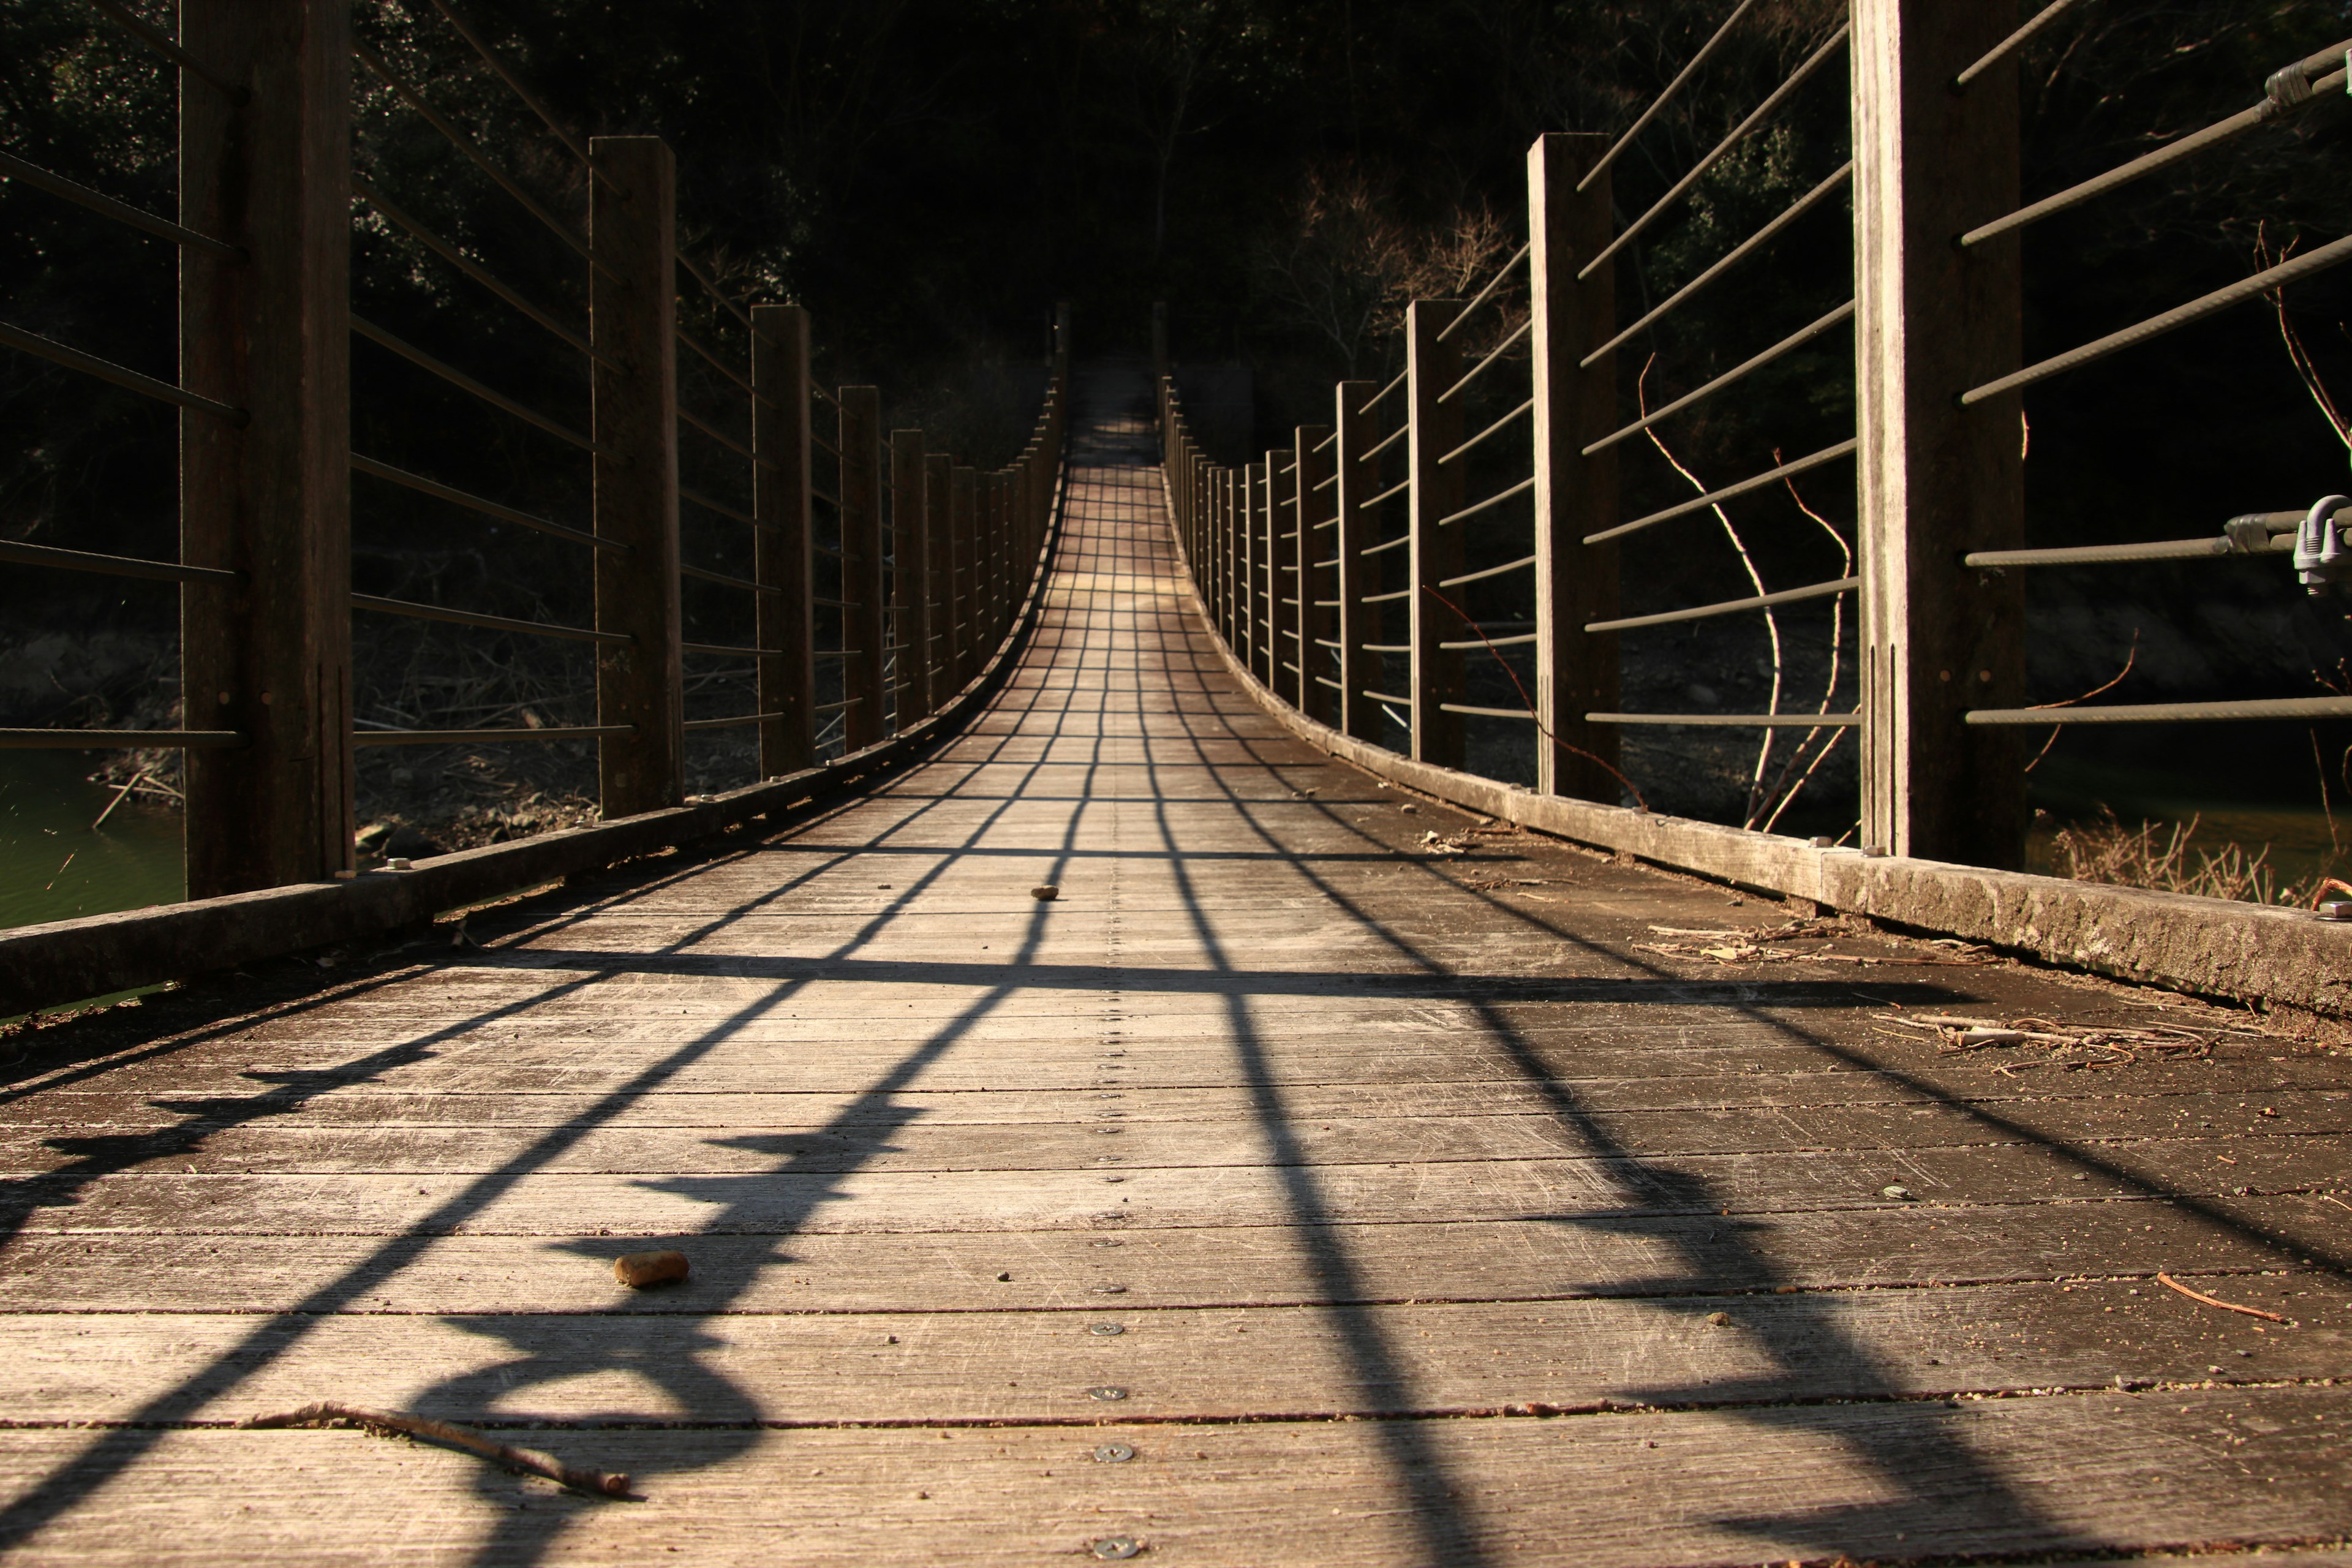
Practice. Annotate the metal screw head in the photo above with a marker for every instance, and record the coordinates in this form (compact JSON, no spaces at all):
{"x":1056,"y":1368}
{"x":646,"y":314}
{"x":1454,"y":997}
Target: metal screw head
{"x":1110,"y":1548}
{"x":1901,"y":1194}
{"x":2336,"y":909}
{"x":1106,"y":1330}
{"x":1108,"y":1391}
{"x":1120,"y":1453}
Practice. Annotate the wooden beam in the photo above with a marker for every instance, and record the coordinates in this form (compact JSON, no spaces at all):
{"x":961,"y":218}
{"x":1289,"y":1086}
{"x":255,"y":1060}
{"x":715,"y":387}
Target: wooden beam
{"x":1317,"y":622}
{"x":782,"y":558}
{"x":1934,"y":479}
{"x":910,"y":579}
{"x":966,"y":619}
{"x":633,"y":318}
{"x":865,"y":623}
{"x":268,"y":656}
{"x":1282,"y":570}
{"x":1576,"y":584}
{"x":1359,"y":579}
{"x":937,"y":659}
{"x":1432,"y":366}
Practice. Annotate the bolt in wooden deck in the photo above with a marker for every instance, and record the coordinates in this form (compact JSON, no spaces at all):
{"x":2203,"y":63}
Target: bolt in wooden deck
{"x":1282,"y":1192}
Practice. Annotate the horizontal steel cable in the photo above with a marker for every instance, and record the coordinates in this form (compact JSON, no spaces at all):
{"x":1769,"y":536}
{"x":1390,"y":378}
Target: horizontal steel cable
{"x":1738,"y":253}
{"x":712,"y":288}
{"x":473,"y":155}
{"x":1498,"y":498}
{"x":688,"y":417}
{"x":122,"y":18}
{"x":2011,"y":44}
{"x":1658,"y":104}
{"x":703,"y":574}
{"x":16,"y":168}
{"x":1386,"y":697}
{"x":2140,"y":167}
{"x":2170,"y":712}
{"x":463,"y":382}
{"x":1490,"y":643}
{"x":486,"y":737}
{"x":734,"y":722}
{"x":1389,"y":494}
{"x":117,"y":739}
{"x":1326,"y":681}
{"x":722,"y":509}
{"x":1523,"y":408}
{"x":1789,"y":344}
{"x":1480,"y":297}
{"x":1385,"y":598}
{"x":1489,"y":571}
{"x":122,"y":376}
{"x":363,"y":464}
{"x":1721,"y":149}
{"x":1519,"y":713}
{"x":2263,"y":282}
{"x":474,"y":269}
{"x":417,"y":612}
{"x":1327,"y":442}
{"x":1385,"y":442}
{"x":711,"y":357}
{"x":1374,"y":400}
{"x":1398,"y":542}
{"x":726,"y":652}
{"x":1493,"y":354}
{"x":112,"y":565}
{"x":1387,"y":647}
{"x":2100,"y":554}
{"x":1770,"y":475}
{"x":1325,"y":483}
{"x":1734,"y":720}
{"x":1729,"y":606}
{"x":491,"y":59}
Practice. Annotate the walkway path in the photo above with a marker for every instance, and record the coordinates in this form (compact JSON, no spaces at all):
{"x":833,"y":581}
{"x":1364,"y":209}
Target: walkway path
{"x":1284,"y":1192}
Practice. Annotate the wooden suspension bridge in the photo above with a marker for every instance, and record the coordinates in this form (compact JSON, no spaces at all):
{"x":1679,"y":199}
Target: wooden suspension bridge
{"x":1115,"y":1085}
{"x":1324,"y":1171}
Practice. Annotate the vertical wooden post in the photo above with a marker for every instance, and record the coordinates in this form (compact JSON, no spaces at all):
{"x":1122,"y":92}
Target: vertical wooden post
{"x":1432,"y":367}
{"x":1576,"y":583}
{"x":1227,"y":543}
{"x":1318,"y":583}
{"x":269,"y":333}
{"x":783,"y":561}
{"x":1254,"y":568}
{"x":992,"y":550}
{"x":633,"y":317}
{"x":1359,"y":579}
{"x":938,"y":656}
{"x":966,"y":617}
{"x":910,"y":557}
{"x":1936,"y":479}
{"x":1281,"y":654}
{"x":866,"y":623}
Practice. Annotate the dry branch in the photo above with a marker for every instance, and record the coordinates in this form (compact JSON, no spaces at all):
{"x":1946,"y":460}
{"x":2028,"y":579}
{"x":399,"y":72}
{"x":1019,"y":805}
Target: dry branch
{"x":530,"y":1461}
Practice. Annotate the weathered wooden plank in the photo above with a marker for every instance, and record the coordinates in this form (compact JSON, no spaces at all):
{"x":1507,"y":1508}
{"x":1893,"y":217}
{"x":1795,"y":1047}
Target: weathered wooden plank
{"x":1918,"y":1478}
{"x":1223,"y":1265}
{"x":1175,"y":1363}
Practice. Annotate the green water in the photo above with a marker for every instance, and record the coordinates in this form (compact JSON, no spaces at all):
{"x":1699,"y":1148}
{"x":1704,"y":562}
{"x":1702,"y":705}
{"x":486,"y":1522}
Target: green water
{"x":54,"y":868}
{"x":2254,"y":809}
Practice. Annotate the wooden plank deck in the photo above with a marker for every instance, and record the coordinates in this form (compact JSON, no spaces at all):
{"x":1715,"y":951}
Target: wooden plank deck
{"x":1286,"y":1191}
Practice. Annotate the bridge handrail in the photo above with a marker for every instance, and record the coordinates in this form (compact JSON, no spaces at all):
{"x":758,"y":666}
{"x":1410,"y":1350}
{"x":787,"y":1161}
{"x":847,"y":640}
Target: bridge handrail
{"x":883,"y":575}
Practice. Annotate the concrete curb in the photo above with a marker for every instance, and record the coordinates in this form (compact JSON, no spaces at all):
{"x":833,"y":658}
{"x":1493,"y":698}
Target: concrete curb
{"x":2215,"y":947}
{"x":64,"y":962}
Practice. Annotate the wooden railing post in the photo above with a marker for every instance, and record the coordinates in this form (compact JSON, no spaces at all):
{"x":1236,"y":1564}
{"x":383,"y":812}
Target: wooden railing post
{"x":965,"y":619}
{"x":1936,"y":479}
{"x":1359,"y":579}
{"x":1316,"y":582}
{"x":864,"y":624}
{"x":633,"y":314}
{"x":1221,"y":483}
{"x":939,"y":580}
{"x":269,"y":333}
{"x":1281,"y":574}
{"x":1576,"y":583}
{"x":910,"y":614}
{"x":783,"y":563}
{"x":1432,"y":367}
